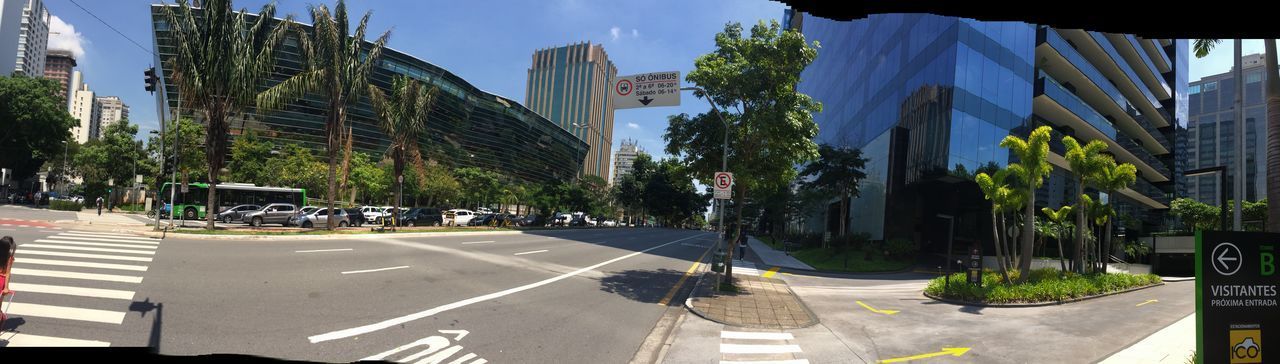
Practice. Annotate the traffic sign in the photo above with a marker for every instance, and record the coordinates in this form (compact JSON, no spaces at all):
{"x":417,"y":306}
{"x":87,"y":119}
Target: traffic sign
{"x":1236,"y":300}
{"x":723,"y":183}
{"x":647,"y":90}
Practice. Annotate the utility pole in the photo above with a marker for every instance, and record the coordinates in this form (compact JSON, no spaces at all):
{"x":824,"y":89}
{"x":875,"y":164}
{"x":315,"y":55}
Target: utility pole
{"x":1239,"y":139}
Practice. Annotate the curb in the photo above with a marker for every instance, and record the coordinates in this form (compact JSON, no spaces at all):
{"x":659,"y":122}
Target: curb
{"x":157,"y":234}
{"x":1038,"y":304}
{"x":1177,"y":279}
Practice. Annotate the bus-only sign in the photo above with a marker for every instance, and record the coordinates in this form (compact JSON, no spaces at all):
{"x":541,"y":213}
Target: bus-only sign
{"x":1236,"y":296}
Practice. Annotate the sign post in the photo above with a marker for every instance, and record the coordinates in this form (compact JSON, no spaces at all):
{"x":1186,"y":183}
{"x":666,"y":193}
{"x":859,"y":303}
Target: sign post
{"x":1236,"y":296}
{"x":646,"y":90}
{"x":975,"y":266}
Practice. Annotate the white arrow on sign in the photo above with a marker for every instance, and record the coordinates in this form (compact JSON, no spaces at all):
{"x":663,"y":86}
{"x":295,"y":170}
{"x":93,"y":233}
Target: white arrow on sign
{"x":1220,"y":253}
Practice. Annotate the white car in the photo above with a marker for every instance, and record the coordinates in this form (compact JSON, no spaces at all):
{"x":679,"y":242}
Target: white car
{"x":371,"y":213}
{"x":460,"y":217}
{"x":483,"y":210}
{"x":609,"y":223}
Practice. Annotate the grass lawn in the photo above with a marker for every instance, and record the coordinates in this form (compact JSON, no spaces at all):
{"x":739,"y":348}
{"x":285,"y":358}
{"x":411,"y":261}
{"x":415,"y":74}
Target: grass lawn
{"x":1044,"y":285}
{"x":832,"y":260}
{"x":776,"y":244}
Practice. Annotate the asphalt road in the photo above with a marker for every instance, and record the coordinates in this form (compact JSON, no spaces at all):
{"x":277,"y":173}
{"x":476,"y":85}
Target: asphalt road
{"x":585,"y":296}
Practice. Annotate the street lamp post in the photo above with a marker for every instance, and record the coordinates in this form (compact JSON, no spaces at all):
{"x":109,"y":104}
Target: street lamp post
{"x":160,"y":175}
{"x":1222,"y":189}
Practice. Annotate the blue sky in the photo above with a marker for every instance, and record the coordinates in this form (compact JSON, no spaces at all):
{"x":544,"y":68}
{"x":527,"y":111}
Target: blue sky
{"x":489,"y":43}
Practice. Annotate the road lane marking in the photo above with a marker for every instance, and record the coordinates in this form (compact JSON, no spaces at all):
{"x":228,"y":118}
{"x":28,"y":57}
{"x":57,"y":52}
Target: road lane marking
{"x":887,"y":312}
{"x":72,"y":263}
{"x":375,"y":270}
{"x":477,"y":242}
{"x":758,"y":349}
{"x":1148,"y":301}
{"x":945,"y":351}
{"x":83,"y":255}
{"x":790,"y":361}
{"x":76,"y":275}
{"x":110,"y":245}
{"x":341,"y":334}
{"x":323,"y":250}
{"x":66,"y":313}
{"x":532,"y":252}
{"x":756,"y":335}
{"x":50,"y":231}
{"x":771,"y":272}
{"x":72,"y":291}
{"x":672,"y":293}
{"x":100,"y":233}
{"x":109,"y":239}
{"x":105,"y":250}
{"x":17,"y":340}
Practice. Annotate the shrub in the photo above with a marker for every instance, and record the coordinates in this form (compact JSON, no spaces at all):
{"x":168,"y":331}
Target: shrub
{"x":901,"y":248}
{"x":61,"y":205}
{"x":1044,"y":285}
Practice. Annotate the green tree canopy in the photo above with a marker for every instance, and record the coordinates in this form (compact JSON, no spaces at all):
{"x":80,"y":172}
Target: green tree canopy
{"x":34,"y":123}
{"x":249,"y":156}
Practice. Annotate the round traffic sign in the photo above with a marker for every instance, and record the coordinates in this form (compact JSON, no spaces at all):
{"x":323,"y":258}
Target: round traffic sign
{"x":624,"y":87}
{"x":724,"y":180}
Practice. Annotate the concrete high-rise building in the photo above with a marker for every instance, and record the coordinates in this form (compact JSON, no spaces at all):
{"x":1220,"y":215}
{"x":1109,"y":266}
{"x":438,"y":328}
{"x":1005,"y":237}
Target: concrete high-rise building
{"x":24,"y":35}
{"x":929,"y":98}
{"x":109,"y":110}
{"x":1210,"y":135}
{"x":58,"y":66}
{"x":570,"y":86}
{"x":623,"y":159}
{"x":83,"y":108}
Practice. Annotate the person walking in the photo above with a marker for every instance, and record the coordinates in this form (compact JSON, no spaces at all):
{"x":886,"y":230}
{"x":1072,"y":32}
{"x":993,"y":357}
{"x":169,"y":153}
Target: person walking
{"x":99,"y":205}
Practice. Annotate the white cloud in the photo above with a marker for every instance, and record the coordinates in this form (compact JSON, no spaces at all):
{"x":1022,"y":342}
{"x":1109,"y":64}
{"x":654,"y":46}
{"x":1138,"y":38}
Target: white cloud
{"x":615,"y":32}
{"x":635,"y":33}
{"x":65,"y":37}
{"x":633,"y":126}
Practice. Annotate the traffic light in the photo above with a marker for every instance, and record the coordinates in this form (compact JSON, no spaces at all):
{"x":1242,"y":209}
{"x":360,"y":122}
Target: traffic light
{"x":150,"y":74}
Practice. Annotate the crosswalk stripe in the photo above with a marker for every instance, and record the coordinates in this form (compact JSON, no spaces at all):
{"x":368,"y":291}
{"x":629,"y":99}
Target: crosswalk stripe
{"x":14,"y":340}
{"x":792,"y":361}
{"x":115,"y":238}
{"x":72,"y":263}
{"x":75,"y":275}
{"x":66,"y":313}
{"x":71,"y":291}
{"x":100,"y":233}
{"x":152,"y":247}
{"x":105,"y":250}
{"x":756,"y":335}
{"x":83,"y":255}
{"x":107,"y":240}
{"x":758,"y":349}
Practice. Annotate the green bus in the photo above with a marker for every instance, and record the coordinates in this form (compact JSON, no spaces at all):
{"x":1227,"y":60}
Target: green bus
{"x":191,"y":205}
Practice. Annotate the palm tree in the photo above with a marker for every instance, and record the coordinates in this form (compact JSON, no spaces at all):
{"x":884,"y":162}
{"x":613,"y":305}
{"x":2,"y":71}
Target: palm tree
{"x":1202,"y":48}
{"x":337,"y":67}
{"x":220,"y":56}
{"x":1060,"y":229}
{"x":1085,"y":162}
{"x":403,"y":117}
{"x":838,"y":170}
{"x":1032,"y":167}
{"x":1111,"y":178}
{"x":1003,"y":198}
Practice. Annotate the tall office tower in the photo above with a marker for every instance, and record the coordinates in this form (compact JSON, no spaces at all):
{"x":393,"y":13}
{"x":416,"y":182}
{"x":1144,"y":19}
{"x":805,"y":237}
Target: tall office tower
{"x":624,"y":158}
{"x":58,"y":66}
{"x":1210,"y":136}
{"x":570,"y":86}
{"x":83,"y":107}
{"x":24,"y":31}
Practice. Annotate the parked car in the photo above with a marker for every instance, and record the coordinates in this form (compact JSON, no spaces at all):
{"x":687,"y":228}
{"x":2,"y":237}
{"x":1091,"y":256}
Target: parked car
{"x":356,"y":216}
{"x":321,"y":218}
{"x":483,"y":210}
{"x":276,"y":213}
{"x":580,"y":220}
{"x":609,"y":223}
{"x":296,"y":219}
{"x":458,"y":217}
{"x":371,"y":213}
{"x":236,"y":212}
{"x":422,"y":216}
{"x":481,"y":219}
{"x":388,"y":214}
{"x":533,"y":220}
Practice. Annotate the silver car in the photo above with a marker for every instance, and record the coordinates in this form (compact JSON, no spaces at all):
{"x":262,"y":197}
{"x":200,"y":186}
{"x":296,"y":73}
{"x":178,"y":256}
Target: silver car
{"x":322,"y":218}
{"x":276,"y":213}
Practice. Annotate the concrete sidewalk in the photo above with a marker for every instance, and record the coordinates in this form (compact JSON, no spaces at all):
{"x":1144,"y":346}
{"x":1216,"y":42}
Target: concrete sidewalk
{"x":1172,"y":344}
{"x":774,"y":258}
{"x":90,"y":217}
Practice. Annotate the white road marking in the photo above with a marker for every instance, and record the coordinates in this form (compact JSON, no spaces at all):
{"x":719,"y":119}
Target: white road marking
{"x":105,"y":250}
{"x":101,"y":233}
{"x":756,"y":335}
{"x":50,"y":231}
{"x":72,"y":291}
{"x":340,"y":334}
{"x":9,"y":229}
{"x":75,"y":275}
{"x":477,"y":242}
{"x":375,"y":270}
{"x":323,"y":250}
{"x":107,"y":240}
{"x":72,"y":263}
{"x":66,"y":313}
{"x":792,"y":361}
{"x":83,"y":255}
{"x":533,"y":252}
{"x":758,"y":349}
{"x":15,"y":340}
{"x":152,"y":247}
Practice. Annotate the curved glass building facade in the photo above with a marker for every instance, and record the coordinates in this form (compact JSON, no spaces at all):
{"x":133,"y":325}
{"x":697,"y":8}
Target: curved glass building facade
{"x":467,"y":126}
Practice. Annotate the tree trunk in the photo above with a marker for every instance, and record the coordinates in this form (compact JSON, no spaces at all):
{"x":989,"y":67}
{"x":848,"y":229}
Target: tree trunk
{"x":1062,"y":256}
{"x":728,"y":257}
{"x":215,"y":139}
{"x":1028,"y":233}
{"x":1078,"y":261}
{"x":1273,"y":138}
{"x":995,"y":229}
{"x":844,"y":213}
{"x":398,"y":166}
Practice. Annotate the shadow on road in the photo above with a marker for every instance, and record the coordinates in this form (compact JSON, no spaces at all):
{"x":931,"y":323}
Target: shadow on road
{"x":648,"y":286}
{"x":12,"y":323}
{"x":144,"y":307}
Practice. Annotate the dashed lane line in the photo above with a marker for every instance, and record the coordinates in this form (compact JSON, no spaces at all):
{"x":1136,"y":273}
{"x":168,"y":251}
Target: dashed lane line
{"x":375,"y":270}
{"x":532,"y":252}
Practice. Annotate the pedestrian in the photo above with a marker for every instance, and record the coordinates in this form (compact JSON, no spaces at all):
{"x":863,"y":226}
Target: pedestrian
{"x":99,"y":205}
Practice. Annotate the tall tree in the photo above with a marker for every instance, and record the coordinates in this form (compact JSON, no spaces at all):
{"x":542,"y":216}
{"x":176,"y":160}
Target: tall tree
{"x":1202,"y":47}
{"x":1032,"y":166}
{"x":771,"y":123}
{"x":115,"y":155}
{"x":1085,"y":161}
{"x":249,"y":156}
{"x":404,"y":121}
{"x":837,"y":170}
{"x":220,"y":57}
{"x":336,"y":66}
{"x":1060,"y":228}
{"x":1003,"y":198}
{"x":1111,"y":178}
{"x":34,"y":124}
{"x":188,"y":138}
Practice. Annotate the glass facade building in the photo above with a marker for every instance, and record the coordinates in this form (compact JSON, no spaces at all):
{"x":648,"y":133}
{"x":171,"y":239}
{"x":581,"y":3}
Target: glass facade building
{"x":929,"y":98}
{"x":466,"y":127}
{"x":570,"y":86}
{"x":1211,"y":132}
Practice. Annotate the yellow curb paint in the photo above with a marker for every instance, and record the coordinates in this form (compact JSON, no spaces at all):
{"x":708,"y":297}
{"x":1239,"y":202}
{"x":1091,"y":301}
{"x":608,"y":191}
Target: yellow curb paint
{"x":945,"y":351}
{"x":771,"y":272}
{"x":667,"y":299}
{"x":887,"y":312}
{"x":1148,"y":301}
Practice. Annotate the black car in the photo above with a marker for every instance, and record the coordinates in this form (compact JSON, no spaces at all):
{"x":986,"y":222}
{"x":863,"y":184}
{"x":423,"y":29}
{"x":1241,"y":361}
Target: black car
{"x":422,"y":216}
{"x":236,"y":212}
{"x":356,"y":216}
{"x":533,"y":220}
{"x":481,"y":220}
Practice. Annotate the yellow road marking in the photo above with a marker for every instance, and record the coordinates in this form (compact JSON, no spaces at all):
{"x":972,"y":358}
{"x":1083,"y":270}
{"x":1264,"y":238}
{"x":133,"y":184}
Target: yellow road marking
{"x":887,"y":312}
{"x":771,"y":272}
{"x":667,"y":299}
{"x":1148,"y":301}
{"x":945,"y":351}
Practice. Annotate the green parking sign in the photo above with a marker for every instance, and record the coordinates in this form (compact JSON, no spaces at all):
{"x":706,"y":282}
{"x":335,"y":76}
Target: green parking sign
{"x":1236,"y":296}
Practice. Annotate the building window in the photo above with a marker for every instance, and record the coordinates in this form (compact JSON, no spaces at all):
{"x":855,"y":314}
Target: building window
{"x":1252,"y":77}
{"x":1210,"y":86}
{"x":1194,"y":89}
